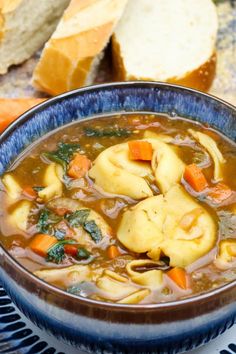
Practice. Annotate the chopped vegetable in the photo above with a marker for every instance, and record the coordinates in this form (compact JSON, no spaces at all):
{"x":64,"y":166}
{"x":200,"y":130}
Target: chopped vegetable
{"x":12,"y":108}
{"x":195,"y":178}
{"x":46,"y":221}
{"x":78,"y":166}
{"x":113,"y":252}
{"x":109,"y":132}
{"x":56,"y":253}
{"x":41,"y":243}
{"x":60,"y":234}
{"x":83,"y":254}
{"x":140,"y":150}
{"x":94,"y":231}
{"x":77,"y":218}
{"x":179,"y":276}
{"x":63,"y":154}
{"x":38,"y":188}
{"x":29,"y":192}
{"x":71,"y":250}
{"x":219,"y":193}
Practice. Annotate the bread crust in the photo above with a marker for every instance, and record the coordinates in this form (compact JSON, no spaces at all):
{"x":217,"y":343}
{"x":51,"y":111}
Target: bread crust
{"x":200,"y":79}
{"x":67,"y":60}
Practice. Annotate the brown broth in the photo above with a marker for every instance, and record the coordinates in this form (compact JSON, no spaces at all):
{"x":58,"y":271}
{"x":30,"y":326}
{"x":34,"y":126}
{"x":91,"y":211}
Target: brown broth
{"x":29,"y":170}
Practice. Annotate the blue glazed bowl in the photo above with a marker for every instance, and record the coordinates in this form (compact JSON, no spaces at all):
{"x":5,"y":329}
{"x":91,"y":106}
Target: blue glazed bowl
{"x":113,"y":328}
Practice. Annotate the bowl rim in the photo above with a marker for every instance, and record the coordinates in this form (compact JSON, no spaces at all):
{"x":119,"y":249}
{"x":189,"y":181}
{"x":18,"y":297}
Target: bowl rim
{"x":101,"y":304}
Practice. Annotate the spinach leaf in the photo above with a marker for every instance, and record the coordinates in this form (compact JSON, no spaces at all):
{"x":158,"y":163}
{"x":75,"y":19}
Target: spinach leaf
{"x":46,"y":221}
{"x":227,"y":224}
{"x":92,"y":228}
{"x":56,"y":253}
{"x":59,"y":234}
{"x":78,"y":217}
{"x":83,"y":254}
{"x":109,"y":132}
{"x":38,"y":188}
{"x":63,"y":154}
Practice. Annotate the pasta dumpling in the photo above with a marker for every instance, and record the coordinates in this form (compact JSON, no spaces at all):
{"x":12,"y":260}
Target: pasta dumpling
{"x":20,"y":214}
{"x":226,"y":254}
{"x":114,"y":172}
{"x":210,"y":145}
{"x":155,"y":224}
{"x":52,"y":182}
{"x":12,"y":186}
{"x":151,"y":278}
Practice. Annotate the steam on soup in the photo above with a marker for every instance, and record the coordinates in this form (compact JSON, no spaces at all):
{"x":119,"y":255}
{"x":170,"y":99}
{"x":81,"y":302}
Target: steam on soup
{"x":131,"y":209}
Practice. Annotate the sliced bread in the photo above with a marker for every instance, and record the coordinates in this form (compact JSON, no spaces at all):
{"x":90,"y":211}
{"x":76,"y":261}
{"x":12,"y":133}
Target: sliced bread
{"x":70,"y":58}
{"x":25,"y":25}
{"x":171,"y":41}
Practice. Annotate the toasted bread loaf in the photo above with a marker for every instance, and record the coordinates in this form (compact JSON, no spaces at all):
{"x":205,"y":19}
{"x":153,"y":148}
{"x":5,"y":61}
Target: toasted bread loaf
{"x":70,"y":58}
{"x":25,"y":25}
{"x":171,"y":41}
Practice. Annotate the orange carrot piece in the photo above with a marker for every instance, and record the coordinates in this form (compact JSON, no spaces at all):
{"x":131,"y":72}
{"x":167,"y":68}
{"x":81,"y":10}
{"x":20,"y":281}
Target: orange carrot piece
{"x":140,"y":150}
{"x":219,"y":193}
{"x":113,"y":252}
{"x":41,"y":244}
{"x":78,"y":166}
{"x":12,"y":108}
{"x":29,"y":192}
{"x":194,"y":176}
{"x":179,"y":276}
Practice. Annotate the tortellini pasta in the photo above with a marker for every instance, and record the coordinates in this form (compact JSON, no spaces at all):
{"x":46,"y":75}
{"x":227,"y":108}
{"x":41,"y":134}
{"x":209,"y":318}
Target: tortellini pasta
{"x":151,"y":278}
{"x":226,"y":254}
{"x":13,"y":188}
{"x":114,"y":172}
{"x":52,"y":182}
{"x":155,"y":224}
{"x":70,"y":275}
{"x":210,"y":145}
{"x":19,"y":216}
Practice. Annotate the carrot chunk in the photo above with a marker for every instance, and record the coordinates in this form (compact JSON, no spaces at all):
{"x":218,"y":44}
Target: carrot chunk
{"x":29,"y":192}
{"x":71,"y":250}
{"x":41,"y":244}
{"x":179,"y":276}
{"x":194,"y":176}
{"x":78,"y":166}
{"x":140,"y":150}
{"x":113,"y":252}
{"x":219,"y":193}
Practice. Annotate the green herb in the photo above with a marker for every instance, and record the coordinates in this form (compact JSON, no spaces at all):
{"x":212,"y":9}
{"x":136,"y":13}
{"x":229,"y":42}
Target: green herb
{"x":46,"y":221}
{"x":83,"y":254}
{"x":60,"y":234}
{"x":78,"y":217}
{"x":38,"y":188}
{"x":227,"y":224}
{"x":63,"y":154}
{"x":109,"y":132}
{"x":56,"y":253}
{"x":83,"y":289}
{"x":92,"y":228}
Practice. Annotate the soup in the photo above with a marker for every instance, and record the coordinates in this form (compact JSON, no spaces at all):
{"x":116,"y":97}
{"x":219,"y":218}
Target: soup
{"x":131,"y":209}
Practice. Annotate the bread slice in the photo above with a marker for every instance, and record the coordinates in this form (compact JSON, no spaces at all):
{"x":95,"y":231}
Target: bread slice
{"x":70,"y":58}
{"x":25,"y":25}
{"x":171,"y":41}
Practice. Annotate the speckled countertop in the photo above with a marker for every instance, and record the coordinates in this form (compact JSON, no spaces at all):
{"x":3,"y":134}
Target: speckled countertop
{"x":17,"y":82}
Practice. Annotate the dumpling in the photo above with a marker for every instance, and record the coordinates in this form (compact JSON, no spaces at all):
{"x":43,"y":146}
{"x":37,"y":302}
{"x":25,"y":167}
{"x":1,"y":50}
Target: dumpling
{"x":152,"y":278}
{"x":210,"y":145}
{"x":19,"y":216}
{"x":168,"y":168}
{"x":13,"y":188}
{"x":114,"y":172}
{"x":155,"y":225}
{"x":52,"y":182}
{"x":69,"y":276}
{"x":226,"y":254}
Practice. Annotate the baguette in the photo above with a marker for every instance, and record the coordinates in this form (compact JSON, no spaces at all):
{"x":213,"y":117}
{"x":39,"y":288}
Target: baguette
{"x":71,"y":57}
{"x":25,"y":25}
{"x":170,"y":41}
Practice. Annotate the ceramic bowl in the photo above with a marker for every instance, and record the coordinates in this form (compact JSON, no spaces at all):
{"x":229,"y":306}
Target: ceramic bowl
{"x":104,"y":327}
